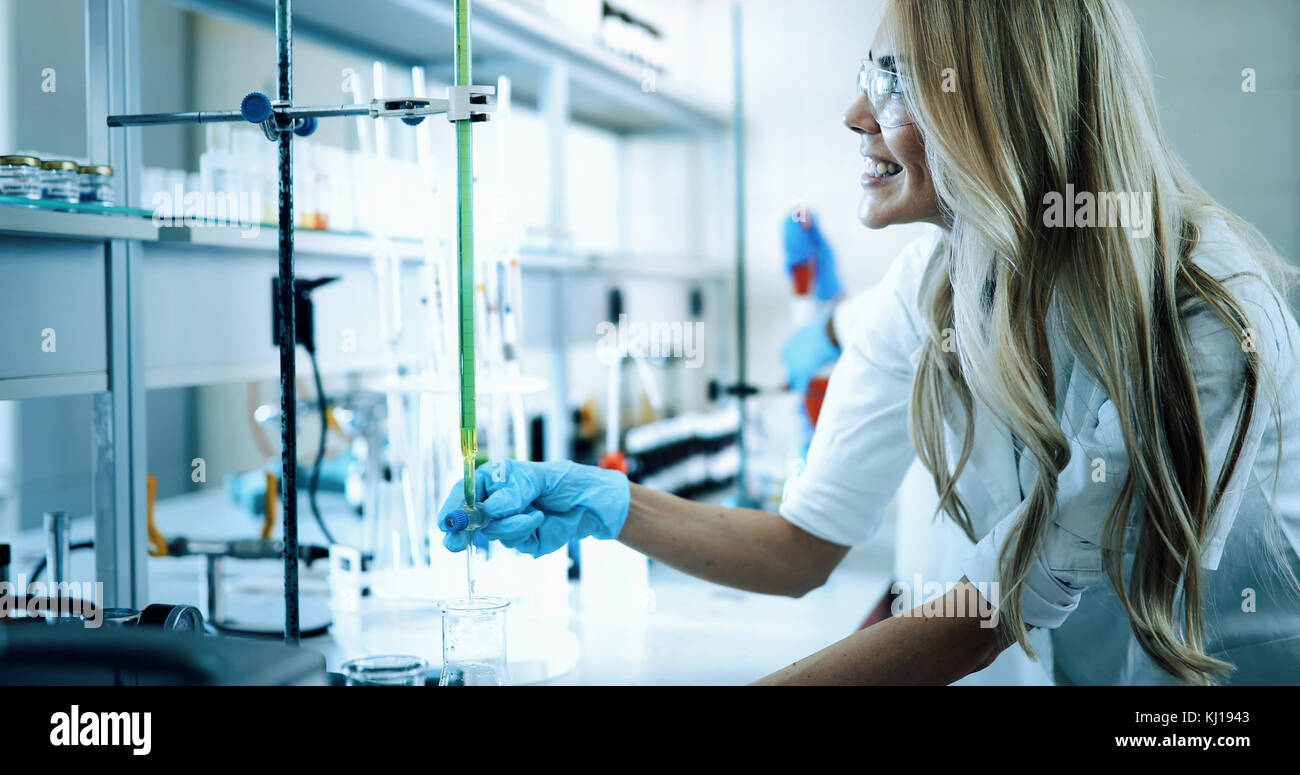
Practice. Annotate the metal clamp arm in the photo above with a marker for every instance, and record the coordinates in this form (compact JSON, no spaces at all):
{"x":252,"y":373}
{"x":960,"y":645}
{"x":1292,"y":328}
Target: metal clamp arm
{"x":463,"y":103}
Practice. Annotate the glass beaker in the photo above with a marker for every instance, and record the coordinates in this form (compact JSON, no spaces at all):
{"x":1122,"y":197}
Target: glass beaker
{"x":474,"y":642}
{"x":386,"y":670}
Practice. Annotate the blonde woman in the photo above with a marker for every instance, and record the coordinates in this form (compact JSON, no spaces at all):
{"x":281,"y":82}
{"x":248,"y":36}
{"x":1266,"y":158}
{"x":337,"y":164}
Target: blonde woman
{"x":1091,"y":358}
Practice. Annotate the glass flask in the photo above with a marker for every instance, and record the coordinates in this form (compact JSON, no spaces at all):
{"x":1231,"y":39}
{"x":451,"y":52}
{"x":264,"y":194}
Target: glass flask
{"x":474,"y":642}
{"x":386,"y":670}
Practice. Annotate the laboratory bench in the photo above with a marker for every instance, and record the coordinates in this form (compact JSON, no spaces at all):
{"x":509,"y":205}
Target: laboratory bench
{"x":683,"y":632}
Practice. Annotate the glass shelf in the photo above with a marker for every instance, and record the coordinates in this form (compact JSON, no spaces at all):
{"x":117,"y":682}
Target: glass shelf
{"x":69,"y":207}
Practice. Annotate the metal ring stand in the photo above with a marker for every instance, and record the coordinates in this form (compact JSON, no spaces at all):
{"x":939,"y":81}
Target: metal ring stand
{"x":280,"y":121}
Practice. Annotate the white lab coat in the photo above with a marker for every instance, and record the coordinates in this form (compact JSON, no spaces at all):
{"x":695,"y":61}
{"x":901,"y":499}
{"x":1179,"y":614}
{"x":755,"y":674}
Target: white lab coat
{"x":861,"y":451}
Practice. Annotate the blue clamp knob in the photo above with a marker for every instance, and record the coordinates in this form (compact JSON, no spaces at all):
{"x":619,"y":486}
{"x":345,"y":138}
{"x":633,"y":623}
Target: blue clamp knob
{"x":412,"y":120}
{"x":255,"y":107}
{"x":456,"y":521}
{"x":305,"y":128}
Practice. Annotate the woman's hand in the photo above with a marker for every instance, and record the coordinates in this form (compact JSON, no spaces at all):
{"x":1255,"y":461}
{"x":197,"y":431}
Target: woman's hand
{"x":539,"y":507}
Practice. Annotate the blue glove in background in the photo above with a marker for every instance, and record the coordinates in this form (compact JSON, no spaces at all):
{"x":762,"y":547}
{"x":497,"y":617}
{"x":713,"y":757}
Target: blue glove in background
{"x":537,"y":508}
{"x":807,"y":351}
{"x":808,"y":244}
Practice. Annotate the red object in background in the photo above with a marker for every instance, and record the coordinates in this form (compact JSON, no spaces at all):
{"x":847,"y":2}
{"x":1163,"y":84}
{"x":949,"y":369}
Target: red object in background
{"x":813,"y":397}
{"x":803,"y":278}
{"x":883,"y":610}
{"x":614,"y":461}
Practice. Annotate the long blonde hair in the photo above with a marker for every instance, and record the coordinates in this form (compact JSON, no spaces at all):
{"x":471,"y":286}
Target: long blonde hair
{"x":1051,"y":93}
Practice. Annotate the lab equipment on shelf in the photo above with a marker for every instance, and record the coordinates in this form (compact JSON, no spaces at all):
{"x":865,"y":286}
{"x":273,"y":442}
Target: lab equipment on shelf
{"x":59,"y":181}
{"x":632,"y":37}
{"x":20,"y":176}
{"x":688,"y":455}
{"x":474,"y":642}
{"x":96,"y":183}
{"x":57,"y":546}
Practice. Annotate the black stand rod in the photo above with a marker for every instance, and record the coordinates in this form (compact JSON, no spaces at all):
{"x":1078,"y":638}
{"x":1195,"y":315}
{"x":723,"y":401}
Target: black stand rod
{"x":738,"y":129}
{"x":288,"y":335}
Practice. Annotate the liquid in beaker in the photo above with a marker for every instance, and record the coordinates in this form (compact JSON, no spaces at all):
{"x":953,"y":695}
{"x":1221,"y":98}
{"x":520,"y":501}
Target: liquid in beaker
{"x":386,"y":670}
{"x":474,"y":642}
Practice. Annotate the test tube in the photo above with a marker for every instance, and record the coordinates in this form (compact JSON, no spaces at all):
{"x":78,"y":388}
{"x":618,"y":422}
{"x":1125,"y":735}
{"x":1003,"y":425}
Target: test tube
{"x":474,"y":642}
{"x":56,"y":546}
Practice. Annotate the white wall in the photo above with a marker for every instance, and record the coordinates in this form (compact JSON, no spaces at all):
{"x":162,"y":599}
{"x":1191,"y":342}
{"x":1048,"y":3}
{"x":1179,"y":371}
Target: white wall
{"x":1243,"y":147}
{"x":800,"y":61}
{"x":8,"y":77}
{"x":48,"y":34}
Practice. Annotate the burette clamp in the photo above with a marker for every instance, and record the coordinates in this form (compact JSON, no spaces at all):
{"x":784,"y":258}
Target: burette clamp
{"x":257,"y":108}
{"x":463,"y":103}
{"x":470,"y":103}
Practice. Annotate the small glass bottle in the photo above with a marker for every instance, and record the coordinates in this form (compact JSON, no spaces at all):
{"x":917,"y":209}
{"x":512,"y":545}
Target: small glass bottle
{"x":96,"y":181}
{"x":474,"y":642}
{"x":20,"y":176}
{"x":59,"y":181}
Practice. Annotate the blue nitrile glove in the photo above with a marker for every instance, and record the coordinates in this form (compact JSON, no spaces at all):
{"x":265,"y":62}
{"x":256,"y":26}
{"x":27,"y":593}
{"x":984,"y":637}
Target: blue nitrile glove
{"x":806,"y":243}
{"x":539,"y":507}
{"x":807,"y":351}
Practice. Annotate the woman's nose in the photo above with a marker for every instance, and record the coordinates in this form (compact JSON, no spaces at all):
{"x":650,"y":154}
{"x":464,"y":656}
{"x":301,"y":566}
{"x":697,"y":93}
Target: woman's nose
{"x":859,"y":118}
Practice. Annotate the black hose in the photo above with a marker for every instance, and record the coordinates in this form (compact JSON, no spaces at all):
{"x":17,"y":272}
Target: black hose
{"x":314,"y":482}
{"x":222,"y":629}
{"x":40,"y":566}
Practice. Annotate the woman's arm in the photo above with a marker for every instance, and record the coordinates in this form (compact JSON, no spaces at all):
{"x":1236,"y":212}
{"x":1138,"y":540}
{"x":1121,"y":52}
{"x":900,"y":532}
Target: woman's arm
{"x":743,"y":548}
{"x":928,"y":645}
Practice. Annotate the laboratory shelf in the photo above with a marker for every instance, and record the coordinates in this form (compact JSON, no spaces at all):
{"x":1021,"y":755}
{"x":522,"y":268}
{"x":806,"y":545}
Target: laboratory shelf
{"x":18,"y":388}
{"x":74,"y":221}
{"x":266,"y":238}
{"x":53,"y":304}
{"x":626,"y":264}
{"x":362,"y":245}
{"x":486,"y":386}
{"x":510,"y":40}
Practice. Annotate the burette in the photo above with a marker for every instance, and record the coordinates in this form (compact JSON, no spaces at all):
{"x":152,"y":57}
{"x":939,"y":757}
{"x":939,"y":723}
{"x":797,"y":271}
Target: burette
{"x":465,"y":254}
{"x":470,"y":517}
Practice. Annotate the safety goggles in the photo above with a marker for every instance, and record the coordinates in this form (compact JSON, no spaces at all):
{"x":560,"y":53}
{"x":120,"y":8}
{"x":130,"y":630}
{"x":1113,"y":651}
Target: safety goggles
{"x":884,"y":90}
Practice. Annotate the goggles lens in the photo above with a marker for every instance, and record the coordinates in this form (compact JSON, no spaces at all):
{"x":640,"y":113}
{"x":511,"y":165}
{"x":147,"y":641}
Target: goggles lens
{"x":884,"y":89}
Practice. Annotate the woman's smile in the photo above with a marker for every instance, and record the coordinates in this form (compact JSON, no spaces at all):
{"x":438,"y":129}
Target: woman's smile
{"x":880,"y":171}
